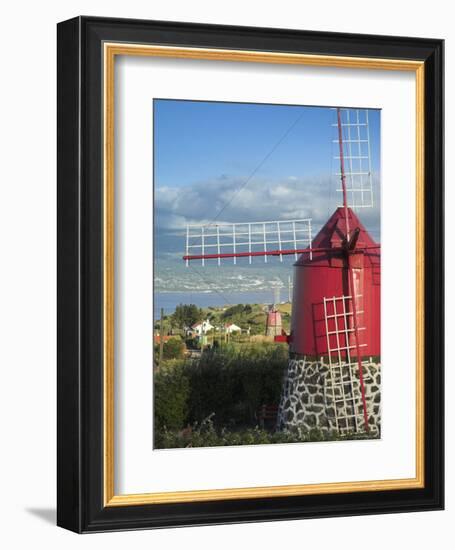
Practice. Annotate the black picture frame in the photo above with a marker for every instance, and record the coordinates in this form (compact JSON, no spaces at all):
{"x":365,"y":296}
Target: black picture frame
{"x":80,"y":282}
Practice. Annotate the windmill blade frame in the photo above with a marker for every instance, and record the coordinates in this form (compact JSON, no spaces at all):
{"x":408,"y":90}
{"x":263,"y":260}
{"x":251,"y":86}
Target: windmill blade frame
{"x":356,"y":151}
{"x":247,"y":240}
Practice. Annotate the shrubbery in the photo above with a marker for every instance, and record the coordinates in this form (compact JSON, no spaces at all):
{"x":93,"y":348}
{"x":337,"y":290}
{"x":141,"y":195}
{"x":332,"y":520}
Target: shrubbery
{"x":213,"y":401}
{"x":227,"y":384}
{"x":171,"y":389}
{"x":234,"y":382}
{"x":174,"y":348}
{"x":206,"y":435}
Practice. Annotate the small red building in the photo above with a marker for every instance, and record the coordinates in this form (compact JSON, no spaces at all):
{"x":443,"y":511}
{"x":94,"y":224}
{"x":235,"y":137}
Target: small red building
{"x":274,"y":325}
{"x":324,"y":274}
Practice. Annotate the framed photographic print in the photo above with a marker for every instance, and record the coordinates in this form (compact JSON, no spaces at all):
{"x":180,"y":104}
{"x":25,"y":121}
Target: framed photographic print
{"x":250,"y":274}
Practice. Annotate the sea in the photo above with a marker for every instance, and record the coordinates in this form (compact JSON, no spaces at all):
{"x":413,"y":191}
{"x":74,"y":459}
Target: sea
{"x":218,"y":287}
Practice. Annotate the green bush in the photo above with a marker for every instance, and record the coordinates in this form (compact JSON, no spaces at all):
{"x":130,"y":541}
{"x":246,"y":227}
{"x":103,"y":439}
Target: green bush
{"x":233,"y":382}
{"x":171,"y":393}
{"x":206,"y":435}
{"x":213,"y":401}
{"x":229,"y":382}
{"x":174,"y":348}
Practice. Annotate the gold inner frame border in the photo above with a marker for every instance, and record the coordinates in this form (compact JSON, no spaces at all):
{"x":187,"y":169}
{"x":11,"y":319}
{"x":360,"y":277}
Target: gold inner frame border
{"x":110,"y":51}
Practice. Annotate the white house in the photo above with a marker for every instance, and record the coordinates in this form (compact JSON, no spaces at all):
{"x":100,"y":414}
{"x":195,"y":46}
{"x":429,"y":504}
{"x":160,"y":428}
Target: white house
{"x":230,"y":328}
{"x":200,"y":328}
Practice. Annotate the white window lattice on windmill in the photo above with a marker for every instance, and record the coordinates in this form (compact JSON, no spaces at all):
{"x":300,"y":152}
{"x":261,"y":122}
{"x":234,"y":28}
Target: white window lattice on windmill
{"x":342,"y":387}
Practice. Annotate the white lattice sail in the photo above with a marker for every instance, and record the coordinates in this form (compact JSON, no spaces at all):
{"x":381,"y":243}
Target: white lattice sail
{"x":220,"y":241}
{"x":357,"y":157}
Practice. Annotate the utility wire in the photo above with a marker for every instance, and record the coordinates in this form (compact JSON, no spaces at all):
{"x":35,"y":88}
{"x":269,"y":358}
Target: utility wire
{"x":209,"y":284}
{"x":248,"y":179}
{"x":258,"y":167}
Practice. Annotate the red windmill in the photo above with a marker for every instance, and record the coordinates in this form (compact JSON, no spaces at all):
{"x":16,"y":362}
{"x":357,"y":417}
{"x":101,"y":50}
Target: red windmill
{"x":273,"y":324}
{"x":336,"y":302}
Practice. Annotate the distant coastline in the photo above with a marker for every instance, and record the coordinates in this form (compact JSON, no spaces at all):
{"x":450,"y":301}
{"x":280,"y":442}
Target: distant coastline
{"x":169,"y":300}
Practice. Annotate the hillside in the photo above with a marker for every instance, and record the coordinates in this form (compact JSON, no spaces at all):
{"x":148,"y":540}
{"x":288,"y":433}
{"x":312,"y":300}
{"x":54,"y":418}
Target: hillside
{"x":252,"y":316}
{"x":249,"y":315}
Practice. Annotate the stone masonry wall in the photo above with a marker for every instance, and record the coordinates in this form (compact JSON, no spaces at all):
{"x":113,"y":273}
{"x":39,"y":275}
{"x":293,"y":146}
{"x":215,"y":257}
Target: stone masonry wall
{"x":307,"y":398}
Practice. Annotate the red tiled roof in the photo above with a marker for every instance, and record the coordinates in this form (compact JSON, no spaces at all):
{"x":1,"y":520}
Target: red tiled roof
{"x":157,"y":338}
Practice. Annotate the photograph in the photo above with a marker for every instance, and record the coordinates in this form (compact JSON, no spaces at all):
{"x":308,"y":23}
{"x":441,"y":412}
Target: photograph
{"x":267,"y":273}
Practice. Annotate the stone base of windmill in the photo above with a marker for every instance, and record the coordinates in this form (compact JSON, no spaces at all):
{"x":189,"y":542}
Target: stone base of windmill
{"x":307,"y":399}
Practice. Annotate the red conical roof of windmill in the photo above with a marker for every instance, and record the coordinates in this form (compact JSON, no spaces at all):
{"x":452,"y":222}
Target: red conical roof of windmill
{"x":331,"y":236}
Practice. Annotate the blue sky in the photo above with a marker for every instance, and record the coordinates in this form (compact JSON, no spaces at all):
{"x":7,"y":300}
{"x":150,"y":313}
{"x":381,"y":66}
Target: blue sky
{"x":199,"y":140}
{"x":205,"y":151}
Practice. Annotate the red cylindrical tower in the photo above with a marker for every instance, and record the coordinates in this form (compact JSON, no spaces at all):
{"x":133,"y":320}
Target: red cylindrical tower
{"x":273,"y":326}
{"x":324,"y":274}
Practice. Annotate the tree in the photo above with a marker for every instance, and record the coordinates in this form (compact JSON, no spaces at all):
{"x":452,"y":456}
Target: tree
{"x":186,"y":315}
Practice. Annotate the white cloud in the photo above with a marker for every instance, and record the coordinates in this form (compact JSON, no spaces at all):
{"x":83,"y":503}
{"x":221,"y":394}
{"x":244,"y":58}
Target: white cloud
{"x":228,"y":199}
